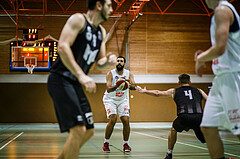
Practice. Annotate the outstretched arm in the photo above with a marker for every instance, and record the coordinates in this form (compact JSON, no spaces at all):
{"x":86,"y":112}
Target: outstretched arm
{"x":157,"y":93}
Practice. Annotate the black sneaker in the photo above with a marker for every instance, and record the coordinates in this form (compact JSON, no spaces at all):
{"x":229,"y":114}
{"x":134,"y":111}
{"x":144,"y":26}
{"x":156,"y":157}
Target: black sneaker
{"x":168,"y":156}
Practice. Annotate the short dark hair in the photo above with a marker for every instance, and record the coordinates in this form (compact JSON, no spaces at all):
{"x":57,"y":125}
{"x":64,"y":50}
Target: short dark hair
{"x":122,"y":57}
{"x":92,"y":3}
{"x":184,"y":78}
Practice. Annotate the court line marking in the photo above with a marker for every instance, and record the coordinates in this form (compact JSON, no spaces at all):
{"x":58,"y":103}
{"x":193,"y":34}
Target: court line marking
{"x":189,"y":134}
{"x":103,"y":154}
{"x":233,"y":141}
{"x":94,"y":145}
{"x":11,"y":141}
{"x":182,"y":143}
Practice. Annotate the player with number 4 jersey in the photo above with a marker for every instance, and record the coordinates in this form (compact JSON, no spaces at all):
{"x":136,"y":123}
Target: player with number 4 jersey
{"x":189,"y":109}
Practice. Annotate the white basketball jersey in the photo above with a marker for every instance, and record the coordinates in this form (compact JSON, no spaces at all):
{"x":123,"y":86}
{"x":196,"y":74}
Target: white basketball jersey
{"x":230,"y":60}
{"x":118,"y":94}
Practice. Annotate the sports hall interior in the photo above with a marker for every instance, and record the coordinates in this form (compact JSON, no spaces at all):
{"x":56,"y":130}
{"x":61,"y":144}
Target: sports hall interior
{"x":158,"y":37}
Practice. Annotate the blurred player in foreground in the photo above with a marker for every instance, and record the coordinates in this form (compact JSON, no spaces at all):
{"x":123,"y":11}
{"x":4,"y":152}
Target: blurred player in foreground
{"x":81,"y":43}
{"x":223,"y":104}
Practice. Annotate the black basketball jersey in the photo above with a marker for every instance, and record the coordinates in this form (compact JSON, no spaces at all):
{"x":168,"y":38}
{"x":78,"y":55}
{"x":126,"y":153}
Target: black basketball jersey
{"x":85,"y":48}
{"x":188,"y":100}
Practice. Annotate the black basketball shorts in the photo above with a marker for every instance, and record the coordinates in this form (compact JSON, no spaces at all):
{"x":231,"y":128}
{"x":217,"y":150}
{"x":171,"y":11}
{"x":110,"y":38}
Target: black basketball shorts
{"x":71,"y":105}
{"x":187,"y":121}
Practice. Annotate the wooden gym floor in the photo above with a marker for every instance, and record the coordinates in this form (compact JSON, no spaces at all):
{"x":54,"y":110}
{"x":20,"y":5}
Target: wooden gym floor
{"x":148,"y":141}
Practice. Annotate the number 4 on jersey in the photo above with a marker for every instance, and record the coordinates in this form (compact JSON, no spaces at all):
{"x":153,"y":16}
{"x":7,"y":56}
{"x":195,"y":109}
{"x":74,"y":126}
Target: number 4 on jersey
{"x":189,"y":94}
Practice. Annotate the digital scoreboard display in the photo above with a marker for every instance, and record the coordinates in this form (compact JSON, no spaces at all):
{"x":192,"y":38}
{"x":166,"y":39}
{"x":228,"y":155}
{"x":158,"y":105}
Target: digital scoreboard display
{"x":30,"y":34}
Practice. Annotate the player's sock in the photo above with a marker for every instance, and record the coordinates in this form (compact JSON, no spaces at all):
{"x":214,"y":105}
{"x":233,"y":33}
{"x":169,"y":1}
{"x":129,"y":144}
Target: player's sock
{"x":106,"y":140}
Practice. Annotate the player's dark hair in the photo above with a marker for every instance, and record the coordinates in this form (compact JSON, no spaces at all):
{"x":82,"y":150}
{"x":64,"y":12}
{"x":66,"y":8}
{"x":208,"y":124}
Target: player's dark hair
{"x":92,"y":3}
{"x":123,"y":58}
{"x":184,"y":78}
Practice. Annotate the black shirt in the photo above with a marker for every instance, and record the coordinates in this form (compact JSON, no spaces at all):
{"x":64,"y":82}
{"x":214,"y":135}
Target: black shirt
{"x":85,"y":48}
{"x":188,"y":100}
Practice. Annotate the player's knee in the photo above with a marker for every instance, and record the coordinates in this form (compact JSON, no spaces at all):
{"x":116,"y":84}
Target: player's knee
{"x":173,"y":130}
{"x":125,"y":122}
{"x":209,"y":131}
{"x":113,"y":119}
{"x":78,"y":131}
{"x":90,"y":132}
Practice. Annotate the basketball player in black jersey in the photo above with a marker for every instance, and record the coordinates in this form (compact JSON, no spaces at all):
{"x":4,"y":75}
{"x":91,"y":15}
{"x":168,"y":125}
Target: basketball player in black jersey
{"x":81,"y":43}
{"x":189,"y":109}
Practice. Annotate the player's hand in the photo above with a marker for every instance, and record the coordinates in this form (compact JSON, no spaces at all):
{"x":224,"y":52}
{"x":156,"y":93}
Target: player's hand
{"x":140,"y":90}
{"x":88,"y":82}
{"x":198,"y":65}
{"x":111,"y":59}
{"x":197,"y":53}
{"x":102,"y":61}
{"x":198,"y":68}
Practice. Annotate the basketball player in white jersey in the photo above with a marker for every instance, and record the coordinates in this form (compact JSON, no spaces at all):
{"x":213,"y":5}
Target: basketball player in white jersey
{"x":223,"y":103}
{"x":116,"y":101}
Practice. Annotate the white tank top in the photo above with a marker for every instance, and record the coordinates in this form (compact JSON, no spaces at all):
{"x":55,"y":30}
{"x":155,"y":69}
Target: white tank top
{"x":230,"y":60}
{"x":118,"y":94}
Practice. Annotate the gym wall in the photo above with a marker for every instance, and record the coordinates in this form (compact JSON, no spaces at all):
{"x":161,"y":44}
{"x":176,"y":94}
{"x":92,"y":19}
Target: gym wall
{"x":30,"y":103}
{"x":157,"y":45}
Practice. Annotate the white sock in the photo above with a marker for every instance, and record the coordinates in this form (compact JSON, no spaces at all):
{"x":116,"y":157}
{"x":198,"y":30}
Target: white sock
{"x":106,"y":140}
{"x":125,"y":142}
{"x":169,"y":151}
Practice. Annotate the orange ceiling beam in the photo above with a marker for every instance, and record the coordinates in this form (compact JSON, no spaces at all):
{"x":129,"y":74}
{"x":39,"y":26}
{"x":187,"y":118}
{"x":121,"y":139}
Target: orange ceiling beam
{"x":70,"y":5}
{"x":205,"y":7}
{"x":59,"y":4}
{"x":134,"y":8}
{"x":119,"y":4}
{"x":160,"y":10}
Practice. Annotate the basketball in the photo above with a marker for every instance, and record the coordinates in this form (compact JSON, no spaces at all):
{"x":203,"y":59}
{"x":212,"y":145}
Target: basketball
{"x":123,"y":83}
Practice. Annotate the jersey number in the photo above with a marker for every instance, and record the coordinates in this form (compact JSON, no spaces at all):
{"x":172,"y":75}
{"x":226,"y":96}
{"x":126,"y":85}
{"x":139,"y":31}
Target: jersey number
{"x":189,"y":94}
{"x":89,"y":55}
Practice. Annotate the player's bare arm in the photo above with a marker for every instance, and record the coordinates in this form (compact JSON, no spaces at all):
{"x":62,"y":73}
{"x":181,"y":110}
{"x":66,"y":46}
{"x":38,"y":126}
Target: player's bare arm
{"x":105,"y":60}
{"x":73,"y":26}
{"x":157,"y":93}
{"x":132,"y":82}
{"x":224,"y":19}
{"x":203,"y":94}
{"x":110,"y":88}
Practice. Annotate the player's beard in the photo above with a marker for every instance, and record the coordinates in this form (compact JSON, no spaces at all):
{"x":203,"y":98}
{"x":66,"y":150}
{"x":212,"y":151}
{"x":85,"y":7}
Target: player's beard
{"x":119,"y":68}
{"x":103,"y":15}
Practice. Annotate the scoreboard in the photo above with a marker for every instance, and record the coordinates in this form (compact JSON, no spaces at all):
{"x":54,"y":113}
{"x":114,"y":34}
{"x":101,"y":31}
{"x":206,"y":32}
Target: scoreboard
{"x":30,"y":34}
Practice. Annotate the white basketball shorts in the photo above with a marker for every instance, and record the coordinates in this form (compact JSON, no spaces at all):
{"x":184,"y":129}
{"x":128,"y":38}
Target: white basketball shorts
{"x":222,"y":108}
{"x":116,"y":107}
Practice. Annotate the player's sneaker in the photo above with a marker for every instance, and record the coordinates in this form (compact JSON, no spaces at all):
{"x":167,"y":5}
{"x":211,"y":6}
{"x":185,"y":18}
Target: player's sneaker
{"x":168,"y":156}
{"x":106,"y":147}
{"x":126,"y":148}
